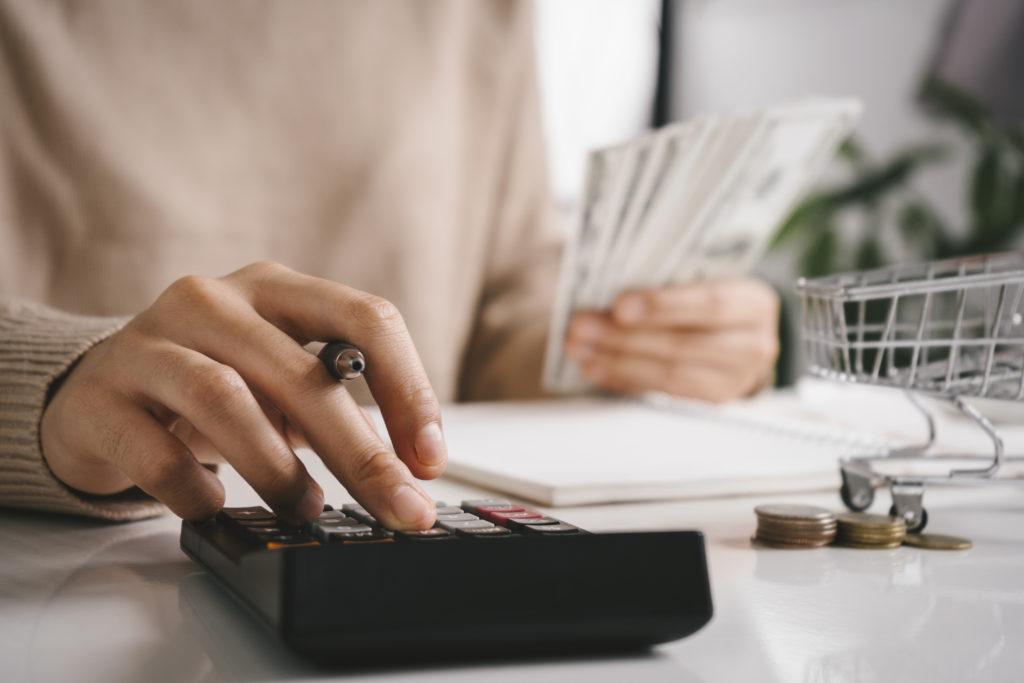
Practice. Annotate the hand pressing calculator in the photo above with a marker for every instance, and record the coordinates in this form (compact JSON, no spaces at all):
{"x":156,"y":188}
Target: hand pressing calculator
{"x":490,"y":579}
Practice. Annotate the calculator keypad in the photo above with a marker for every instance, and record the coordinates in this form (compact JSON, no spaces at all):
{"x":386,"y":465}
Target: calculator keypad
{"x":353,"y":524}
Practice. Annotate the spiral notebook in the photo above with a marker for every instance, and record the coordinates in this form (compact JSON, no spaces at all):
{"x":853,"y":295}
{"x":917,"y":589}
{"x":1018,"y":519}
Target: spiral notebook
{"x":588,"y":451}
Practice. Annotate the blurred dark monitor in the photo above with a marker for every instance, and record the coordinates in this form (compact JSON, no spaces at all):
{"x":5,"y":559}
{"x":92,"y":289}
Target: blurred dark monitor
{"x":982,"y":53}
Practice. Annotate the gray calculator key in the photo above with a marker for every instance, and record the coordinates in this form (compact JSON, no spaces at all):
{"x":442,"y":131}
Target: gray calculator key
{"x":449,"y":510}
{"x":473,"y":504}
{"x":470,"y":524}
{"x":459,"y":516}
{"x":332,"y":516}
{"x":329,"y":533}
{"x":560,"y":528}
{"x":486,"y":532}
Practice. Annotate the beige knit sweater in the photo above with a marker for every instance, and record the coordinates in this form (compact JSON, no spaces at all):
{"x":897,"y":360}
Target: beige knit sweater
{"x":393,"y":146}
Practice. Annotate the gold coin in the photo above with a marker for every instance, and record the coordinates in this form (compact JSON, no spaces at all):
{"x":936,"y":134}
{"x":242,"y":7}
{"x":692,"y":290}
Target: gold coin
{"x":768,"y":543}
{"x":796,"y":533}
{"x":937,"y":542}
{"x":832,"y":524}
{"x":870,"y":546}
{"x":864,"y":520}
{"x":787,"y":512}
{"x":894,"y":535}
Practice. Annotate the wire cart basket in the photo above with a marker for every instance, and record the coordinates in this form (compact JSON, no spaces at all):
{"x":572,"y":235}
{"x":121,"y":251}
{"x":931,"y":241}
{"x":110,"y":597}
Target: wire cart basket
{"x":949,"y":329}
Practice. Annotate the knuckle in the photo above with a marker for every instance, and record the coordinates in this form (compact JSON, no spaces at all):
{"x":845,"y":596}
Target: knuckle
{"x":193,"y":292}
{"x":216,"y":388}
{"x":374,"y":467}
{"x":376,"y":313}
{"x":421,"y":399}
{"x":264,"y":269}
{"x":258,"y":274}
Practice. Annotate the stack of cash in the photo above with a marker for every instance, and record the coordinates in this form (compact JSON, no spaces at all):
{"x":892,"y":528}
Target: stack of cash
{"x":691,"y":201}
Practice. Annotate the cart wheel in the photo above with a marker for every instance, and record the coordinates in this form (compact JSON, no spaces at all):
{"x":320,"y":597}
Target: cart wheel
{"x":912,"y":526}
{"x":858,"y":497}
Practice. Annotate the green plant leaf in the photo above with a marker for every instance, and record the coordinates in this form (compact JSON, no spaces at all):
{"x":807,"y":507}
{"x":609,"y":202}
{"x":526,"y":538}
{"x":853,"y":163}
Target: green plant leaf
{"x":821,"y":255}
{"x":1017,"y":192}
{"x":923,"y":230}
{"x":852,"y":151}
{"x":874,"y":184}
{"x":869,"y":254}
{"x":984,"y":192}
{"x":953,"y":103}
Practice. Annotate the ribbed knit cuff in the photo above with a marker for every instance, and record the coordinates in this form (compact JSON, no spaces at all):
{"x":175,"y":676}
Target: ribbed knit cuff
{"x":37,"y":346}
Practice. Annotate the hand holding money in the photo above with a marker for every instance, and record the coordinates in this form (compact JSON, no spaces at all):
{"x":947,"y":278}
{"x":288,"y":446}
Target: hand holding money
{"x":714,"y":341}
{"x":670,"y":221}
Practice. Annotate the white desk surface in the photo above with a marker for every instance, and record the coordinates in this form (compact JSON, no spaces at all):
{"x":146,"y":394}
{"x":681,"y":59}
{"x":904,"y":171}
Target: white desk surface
{"x":87,"y":601}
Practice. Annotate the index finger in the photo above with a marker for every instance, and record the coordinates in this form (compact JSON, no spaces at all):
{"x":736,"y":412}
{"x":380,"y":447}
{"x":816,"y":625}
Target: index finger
{"x":714,"y":304}
{"x":310,"y":308}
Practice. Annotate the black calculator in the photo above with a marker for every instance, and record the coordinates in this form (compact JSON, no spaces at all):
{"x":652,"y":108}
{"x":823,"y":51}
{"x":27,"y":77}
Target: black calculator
{"x":490,"y":579}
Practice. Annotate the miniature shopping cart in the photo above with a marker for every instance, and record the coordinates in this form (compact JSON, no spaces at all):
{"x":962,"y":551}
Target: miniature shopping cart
{"x":949,"y":329}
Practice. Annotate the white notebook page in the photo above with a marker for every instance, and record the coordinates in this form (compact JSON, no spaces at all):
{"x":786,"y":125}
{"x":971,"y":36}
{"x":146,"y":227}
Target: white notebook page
{"x":575,"y":452}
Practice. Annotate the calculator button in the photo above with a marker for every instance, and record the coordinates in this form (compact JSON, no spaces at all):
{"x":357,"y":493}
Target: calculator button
{"x":332,"y":523}
{"x":469,"y":524}
{"x":459,"y":516}
{"x":502,"y":517}
{"x":518,"y":523}
{"x":354,"y":528}
{"x":560,"y":528}
{"x":333,"y":514}
{"x":484,"y":532}
{"x":359,"y":533}
{"x":359,"y":512}
{"x":440,"y":504}
{"x":290,"y":538}
{"x":433,"y":534}
{"x":241,"y":514}
{"x":484,"y":509}
{"x":449,"y":510}
{"x":272,"y":522}
{"x":474,"y":504}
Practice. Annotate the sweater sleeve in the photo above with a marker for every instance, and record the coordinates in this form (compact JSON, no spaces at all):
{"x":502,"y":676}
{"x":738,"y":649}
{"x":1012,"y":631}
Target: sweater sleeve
{"x":37,"y":346}
{"x":504,"y":358}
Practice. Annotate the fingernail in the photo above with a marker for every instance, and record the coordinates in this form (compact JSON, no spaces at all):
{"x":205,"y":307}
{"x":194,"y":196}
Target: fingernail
{"x":410,"y":507}
{"x":311,"y":505}
{"x":430,"y":446}
{"x":587,"y":330}
{"x":631,"y":309}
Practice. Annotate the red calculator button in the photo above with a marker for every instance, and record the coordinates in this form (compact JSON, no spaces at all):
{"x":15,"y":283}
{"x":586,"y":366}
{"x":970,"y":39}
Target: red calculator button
{"x":488,"y":511}
{"x":502,"y":517}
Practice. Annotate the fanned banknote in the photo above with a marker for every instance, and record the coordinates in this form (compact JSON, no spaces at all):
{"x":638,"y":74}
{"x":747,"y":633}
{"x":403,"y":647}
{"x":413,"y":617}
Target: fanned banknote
{"x":691,"y":201}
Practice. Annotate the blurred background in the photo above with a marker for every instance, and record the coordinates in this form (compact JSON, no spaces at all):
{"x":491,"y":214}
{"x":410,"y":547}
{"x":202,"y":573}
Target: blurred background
{"x":935,"y":169}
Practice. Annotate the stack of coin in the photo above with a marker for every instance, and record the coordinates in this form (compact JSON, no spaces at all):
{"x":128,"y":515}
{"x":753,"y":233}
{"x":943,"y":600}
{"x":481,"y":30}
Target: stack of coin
{"x":794,"y":526}
{"x":863,"y":530}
